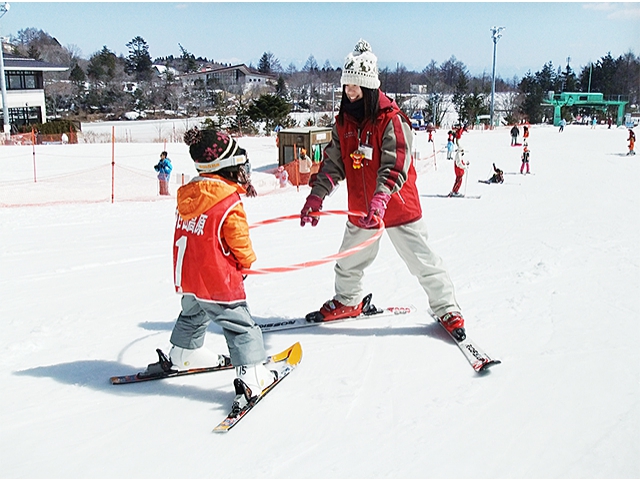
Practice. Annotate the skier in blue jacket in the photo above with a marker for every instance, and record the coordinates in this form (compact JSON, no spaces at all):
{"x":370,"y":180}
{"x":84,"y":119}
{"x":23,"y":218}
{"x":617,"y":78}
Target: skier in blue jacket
{"x":163,"y":167}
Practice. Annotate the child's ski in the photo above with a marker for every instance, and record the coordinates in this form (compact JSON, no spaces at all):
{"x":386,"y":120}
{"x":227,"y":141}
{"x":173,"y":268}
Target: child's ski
{"x":162,"y":369}
{"x":283,"y":363}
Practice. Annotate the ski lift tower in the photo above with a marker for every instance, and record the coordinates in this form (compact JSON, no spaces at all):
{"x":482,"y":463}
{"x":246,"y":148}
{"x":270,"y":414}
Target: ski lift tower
{"x":495,"y":34}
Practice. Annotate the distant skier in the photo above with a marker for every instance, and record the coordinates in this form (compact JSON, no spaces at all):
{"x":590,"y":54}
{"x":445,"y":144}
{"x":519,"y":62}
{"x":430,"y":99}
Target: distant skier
{"x":283,"y":176}
{"x":460,"y":166}
{"x":459,"y":130}
{"x":450,"y":138}
{"x":430,"y":130}
{"x":563,"y":123}
{"x":632,"y":142}
{"x":525,"y":161}
{"x":525,"y":133}
{"x":515,"y":131}
{"x":497,"y":177}
{"x":164,"y":168}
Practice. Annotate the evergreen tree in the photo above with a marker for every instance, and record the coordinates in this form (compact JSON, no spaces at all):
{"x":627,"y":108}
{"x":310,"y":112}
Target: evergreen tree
{"x":568,"y":80}
{"x":270,"y":109}
{"x":189,"y":63}
{"x":311,"y":66}
{"x":102,"y":66}
{"x":533,"y":94}
{"x":281,"y":88}
{"x":459,"y":96}
{"x":268,"y":63}
{"x":139,"y":61}
{"x":77,"y":75}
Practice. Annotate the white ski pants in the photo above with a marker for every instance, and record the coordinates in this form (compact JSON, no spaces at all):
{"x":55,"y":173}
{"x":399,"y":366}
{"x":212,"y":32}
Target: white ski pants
{"x":410,"y":241}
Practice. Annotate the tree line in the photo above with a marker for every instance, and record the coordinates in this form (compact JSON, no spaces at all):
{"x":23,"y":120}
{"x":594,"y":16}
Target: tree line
{"x":107,"y":84}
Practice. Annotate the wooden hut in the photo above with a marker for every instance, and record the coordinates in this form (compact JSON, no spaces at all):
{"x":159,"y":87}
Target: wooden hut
{"x":292,"y":141}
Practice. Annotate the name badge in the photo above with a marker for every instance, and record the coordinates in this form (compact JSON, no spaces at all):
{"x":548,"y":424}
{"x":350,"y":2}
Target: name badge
{"x":367,"y":151}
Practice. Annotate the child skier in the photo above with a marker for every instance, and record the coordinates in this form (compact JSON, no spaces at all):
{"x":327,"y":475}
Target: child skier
{"x":164,"y":168}
{"x":450,"y":138}
{"x":525,"y":160}
{"x":283,"y":176}
{"x":211,"y":246}
{"x":632,"y":142}
{"x":459,"y":166}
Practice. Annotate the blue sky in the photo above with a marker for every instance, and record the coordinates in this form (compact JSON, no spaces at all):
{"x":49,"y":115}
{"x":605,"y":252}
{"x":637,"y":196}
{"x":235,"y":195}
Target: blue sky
{"x":411,"y":34}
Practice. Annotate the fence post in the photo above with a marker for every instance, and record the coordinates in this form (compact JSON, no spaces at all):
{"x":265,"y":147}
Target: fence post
{"x":113,"y":162}
{"x":33,"y":148}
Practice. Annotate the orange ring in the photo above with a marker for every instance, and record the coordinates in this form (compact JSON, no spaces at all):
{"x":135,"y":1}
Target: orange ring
{"x":314,"y":263}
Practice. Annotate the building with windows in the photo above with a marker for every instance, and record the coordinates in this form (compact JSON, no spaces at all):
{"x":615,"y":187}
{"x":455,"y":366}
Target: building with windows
{"x":25,"y":89}
{"x":223,"y":76}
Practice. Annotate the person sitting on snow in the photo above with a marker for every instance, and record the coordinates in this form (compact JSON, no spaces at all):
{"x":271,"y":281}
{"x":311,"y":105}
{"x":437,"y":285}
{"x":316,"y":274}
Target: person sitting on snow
{"x":497,"y":177}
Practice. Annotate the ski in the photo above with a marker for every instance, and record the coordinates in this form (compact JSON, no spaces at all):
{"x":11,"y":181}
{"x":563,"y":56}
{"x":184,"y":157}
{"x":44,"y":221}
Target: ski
{"x":312,"y":320}
{"x":474,"y":197}
{"x":284,"y":363}
{"x":476,"y":357}
{"x":163,"y":370}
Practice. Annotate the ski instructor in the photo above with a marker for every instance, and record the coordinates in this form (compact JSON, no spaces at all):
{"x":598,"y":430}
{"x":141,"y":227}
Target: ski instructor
{"x":371,"y":150}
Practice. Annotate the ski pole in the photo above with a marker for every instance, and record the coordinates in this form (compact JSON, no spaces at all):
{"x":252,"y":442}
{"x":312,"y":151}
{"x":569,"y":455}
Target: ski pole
{"x":466,"y":177}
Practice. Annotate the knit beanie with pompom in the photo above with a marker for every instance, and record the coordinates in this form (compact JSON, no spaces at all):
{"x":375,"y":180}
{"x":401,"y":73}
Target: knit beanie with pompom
{"x":212,"y":150}
{"x":361,"y":67}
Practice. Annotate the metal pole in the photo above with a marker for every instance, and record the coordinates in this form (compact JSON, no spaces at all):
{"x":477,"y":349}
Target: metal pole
{"x":4,"y":8}
{"x":495,"y":34}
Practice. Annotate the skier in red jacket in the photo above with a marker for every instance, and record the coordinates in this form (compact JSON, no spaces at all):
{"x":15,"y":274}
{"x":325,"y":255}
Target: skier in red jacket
{"x":371,"y":150}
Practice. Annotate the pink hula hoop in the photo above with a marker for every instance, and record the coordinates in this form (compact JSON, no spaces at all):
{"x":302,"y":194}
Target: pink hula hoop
{"x":321,"y":261}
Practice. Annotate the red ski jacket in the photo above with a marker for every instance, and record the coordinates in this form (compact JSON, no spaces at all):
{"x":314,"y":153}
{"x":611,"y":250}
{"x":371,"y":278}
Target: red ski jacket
{"x":390,"y":168}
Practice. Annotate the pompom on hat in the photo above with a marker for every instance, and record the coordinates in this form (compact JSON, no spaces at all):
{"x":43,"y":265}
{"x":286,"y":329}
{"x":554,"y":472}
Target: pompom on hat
{"x":361,"y":67}
{"x":212,"y":150}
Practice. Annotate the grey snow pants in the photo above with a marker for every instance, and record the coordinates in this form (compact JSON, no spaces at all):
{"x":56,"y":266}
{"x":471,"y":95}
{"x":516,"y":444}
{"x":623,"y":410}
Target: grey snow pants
{"x":243,"y":336}
{"x":410,"y":241}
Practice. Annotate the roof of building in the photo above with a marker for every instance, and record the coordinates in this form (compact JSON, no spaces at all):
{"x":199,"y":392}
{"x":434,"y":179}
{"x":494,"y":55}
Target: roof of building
{"x":11,"y":62}
{"x":222,"y":69}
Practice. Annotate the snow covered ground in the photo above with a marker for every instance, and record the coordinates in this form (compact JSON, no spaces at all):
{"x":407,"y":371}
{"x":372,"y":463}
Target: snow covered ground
{"x":546,"y":268}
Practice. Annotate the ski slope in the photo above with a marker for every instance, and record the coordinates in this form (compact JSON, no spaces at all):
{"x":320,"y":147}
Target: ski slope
{"x":546,"y":268}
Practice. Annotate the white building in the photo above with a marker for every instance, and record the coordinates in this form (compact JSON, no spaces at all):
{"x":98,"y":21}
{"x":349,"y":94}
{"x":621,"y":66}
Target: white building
{"x":236,"y":75}
{"x":25,"y":89}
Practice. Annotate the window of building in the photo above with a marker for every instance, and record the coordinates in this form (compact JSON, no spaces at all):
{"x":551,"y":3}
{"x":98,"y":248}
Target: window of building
{"x":23,"y":116}
{"x":23,"y":80}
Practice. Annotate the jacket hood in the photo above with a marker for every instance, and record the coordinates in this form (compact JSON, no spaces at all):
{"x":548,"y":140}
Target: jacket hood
{"x":202,"y":193}
{"x":385,"y":102}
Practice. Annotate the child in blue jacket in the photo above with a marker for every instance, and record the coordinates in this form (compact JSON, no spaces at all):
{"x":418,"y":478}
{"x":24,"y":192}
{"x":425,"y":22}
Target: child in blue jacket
{"x":163,"y":167}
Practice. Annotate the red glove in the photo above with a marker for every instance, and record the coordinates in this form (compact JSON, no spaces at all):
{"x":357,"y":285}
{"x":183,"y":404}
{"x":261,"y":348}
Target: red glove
{"x":377,"y":208}
{"x":313,"y":204}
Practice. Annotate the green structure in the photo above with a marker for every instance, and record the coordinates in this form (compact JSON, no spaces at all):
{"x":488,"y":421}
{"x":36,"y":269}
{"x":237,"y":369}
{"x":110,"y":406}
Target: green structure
{"x":571,"y":99}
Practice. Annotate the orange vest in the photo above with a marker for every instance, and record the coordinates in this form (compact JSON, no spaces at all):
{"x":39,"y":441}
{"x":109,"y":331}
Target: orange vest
{"x":203,"y":265}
